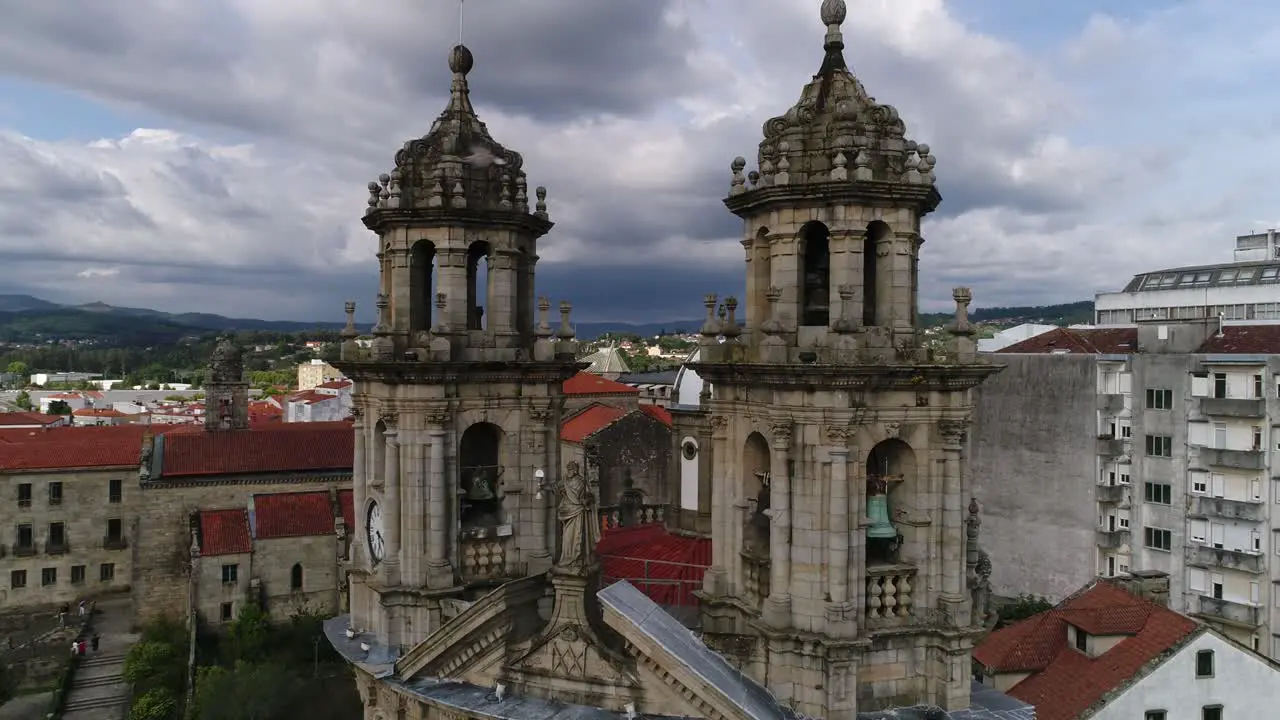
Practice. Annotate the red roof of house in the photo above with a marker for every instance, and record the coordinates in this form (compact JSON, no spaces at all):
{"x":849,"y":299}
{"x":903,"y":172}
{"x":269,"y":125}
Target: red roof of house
{"x":66,"y":448}
{"x":283,"y":515}
{"x":335,"y":385}
{"x":585,"y":383}
{"x":224,"y":532}
{"x":1244,"y":340}
{"x":1094,"y":341}
{"x":287,"y":447}
{"x":588,"y":422}
{"x":1064,"y":682}
{"x":658,"y":413}
{"x":11,"y":419}
{"x":666,"y":567}
{"x":98,"y":412}
{"x":347,"y":505}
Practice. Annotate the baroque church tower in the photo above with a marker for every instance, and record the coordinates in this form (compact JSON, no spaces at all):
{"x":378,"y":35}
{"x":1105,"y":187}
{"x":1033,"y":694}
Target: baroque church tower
{"x":226,"y":391}
{"x":458,"y":398}
{"x":843,"y":573}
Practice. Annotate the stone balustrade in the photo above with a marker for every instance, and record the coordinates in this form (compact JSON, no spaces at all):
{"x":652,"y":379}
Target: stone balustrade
{"x":889,"y":593}
{"x":484,"y":558}
{"x":755,"y":580}
{"x":613,"y":516}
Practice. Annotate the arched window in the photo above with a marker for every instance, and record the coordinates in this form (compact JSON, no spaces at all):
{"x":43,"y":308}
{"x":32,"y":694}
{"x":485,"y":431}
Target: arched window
{"x":871,"y":271}
{"x":477,"y":284}
{"x":295,"y":578}
{"x":815,"y":282}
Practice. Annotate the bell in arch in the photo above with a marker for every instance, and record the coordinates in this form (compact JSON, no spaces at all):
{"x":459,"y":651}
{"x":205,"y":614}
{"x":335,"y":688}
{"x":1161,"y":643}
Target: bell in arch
{"x":881,"y":528}
{"x":481,"y":487}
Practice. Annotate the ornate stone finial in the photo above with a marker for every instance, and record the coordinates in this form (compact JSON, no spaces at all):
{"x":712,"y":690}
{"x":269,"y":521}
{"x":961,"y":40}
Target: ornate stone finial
{"x":543,"y":330}
{"x":349,"y":331}
{"x":773,"y":324}
{"x":846,"y":323}
{"x":383,"y":326}
{"x":710,"y":328}
{"x":974,"y":510}
{"x":783,"y":174}
{"x":540,"y":208}
{"x":833,"y":13}
{"x":374,"y":191}
{"x":383,"y":346}
{"x":738,"y":184}
{"x":566,"y":330}
{"x":442,"y":313}
{"x":461,"y":61}
{"x":963,"y":296}
{"x":731,"y":329}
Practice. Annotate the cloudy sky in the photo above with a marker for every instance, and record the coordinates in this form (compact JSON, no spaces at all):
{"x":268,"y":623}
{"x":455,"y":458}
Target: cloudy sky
{"x":213,"y":155}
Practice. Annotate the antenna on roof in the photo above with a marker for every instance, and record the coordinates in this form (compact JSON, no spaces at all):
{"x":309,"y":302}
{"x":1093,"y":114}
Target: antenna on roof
{"x":461,"y":4}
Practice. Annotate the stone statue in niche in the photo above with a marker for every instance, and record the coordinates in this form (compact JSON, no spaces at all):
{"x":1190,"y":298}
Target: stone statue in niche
{"x":579,"y":526}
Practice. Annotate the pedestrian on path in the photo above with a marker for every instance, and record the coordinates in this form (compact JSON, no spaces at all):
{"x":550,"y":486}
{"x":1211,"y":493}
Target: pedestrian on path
{"x":84,"y":648}
{"x":96,"y":638}
{"x":81,"y":608}
{"x":75,"y":648}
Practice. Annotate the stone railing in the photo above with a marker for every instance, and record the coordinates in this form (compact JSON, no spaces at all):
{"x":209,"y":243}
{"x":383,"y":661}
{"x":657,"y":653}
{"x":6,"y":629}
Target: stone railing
{"x":1232,"y":509}
{"x":613,"y":516}
{"x":1111,"y":494}
{"x":1234,"y":407}
{"x":1253,"y":459}
{"x":483,"y":558}
{"x":1208,"y":556}
{"x":889,"y":593}
{"x":755,"y":579}
{"x":1230,"y":611}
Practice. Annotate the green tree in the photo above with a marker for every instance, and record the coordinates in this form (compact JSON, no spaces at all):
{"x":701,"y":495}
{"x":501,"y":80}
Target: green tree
{"x":17,"y":367}
{"x":250,"y":634}
{"x":23,"y":400}
{"x":59,"y":407}
{"x":152,"y":664}
{"x":155,"y":704}
{"x":246,"y":691}
{"x":1023,"y":607}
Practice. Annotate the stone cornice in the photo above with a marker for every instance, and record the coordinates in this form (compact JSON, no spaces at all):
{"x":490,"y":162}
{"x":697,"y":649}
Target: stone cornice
{"x":443,"y":373}
{"x":210,"y":480}
{"x":867,"y":192}
{"x":381,"y":220}
{"x":846,"y":377}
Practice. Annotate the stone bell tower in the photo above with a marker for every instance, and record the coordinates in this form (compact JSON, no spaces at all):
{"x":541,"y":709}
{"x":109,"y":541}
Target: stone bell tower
{"x":226,"y":392}
{"x":839,"y":450}
{"x":458,"y":398}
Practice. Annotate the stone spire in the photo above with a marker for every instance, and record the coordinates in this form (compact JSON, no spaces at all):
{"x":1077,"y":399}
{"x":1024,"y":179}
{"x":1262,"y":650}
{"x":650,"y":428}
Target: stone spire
{"x":226,"y":392}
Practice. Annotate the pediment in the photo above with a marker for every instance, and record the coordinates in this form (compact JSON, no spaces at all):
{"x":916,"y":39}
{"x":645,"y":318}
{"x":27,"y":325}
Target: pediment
{"x":573,"y":653}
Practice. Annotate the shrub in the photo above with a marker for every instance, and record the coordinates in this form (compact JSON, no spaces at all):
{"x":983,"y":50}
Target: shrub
{"x":155,"y":665}
{"x":155,"y":704}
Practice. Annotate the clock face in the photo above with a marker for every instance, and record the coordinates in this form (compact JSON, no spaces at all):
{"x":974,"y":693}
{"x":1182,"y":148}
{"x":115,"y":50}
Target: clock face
{"x":373,"y":526}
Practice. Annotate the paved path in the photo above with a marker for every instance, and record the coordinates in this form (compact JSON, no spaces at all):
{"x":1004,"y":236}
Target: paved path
{"x":27,"y":707}
{"x":98,"y":691}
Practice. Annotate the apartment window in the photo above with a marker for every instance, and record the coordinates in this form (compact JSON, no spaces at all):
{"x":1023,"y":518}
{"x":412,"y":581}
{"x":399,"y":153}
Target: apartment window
{"x":49,"y":576}
{"x":1126,"y":432}
{"x":77,"y":574}
{"x":1220,"y":436}
{"x":24,"y":495}
{"x":115,"y":491}
{"x":26,"y":537}
{"x":107,"y":572}
{"x":1211,"y":712}
{"x":1159,"y":399}
{"x":1258,"y":390}
{"x":1158,"y":493}
{"x":1257,"y":541}
{"x":1198,"y":484}
{"x":18,"y":579}
{"x":57,"y":536}
{"x":1159,"y":446}
{"x":1157,"y":539}
{"x":114,"y":532}
{"x":1204,"y":664}
{"x":1155,"y":715}
{"x":1124,"y":523}
{"x":230,"y":573}
{"x":295,"y":577}
{"x":1219,"y":385}
{"x":1257,"y":437}
{"x":226,"y":611}
{"x":1124,"y":478}
{"x":55,"y":493}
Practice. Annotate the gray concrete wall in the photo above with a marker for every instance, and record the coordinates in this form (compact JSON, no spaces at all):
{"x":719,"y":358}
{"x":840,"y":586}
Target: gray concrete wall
{"x":1034,"y":466}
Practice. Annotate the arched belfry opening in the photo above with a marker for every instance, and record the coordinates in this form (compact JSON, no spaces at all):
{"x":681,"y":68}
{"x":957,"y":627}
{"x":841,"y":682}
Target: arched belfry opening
{"x":815,"y":274}
{"x":478,"y":282}
{"x":422,"y":285}
{"x":755,"y":488}
{"x":876,"y":231}
{"x":480,"y":476}
{"x":761,"y":278}
{"x":891,"y":472}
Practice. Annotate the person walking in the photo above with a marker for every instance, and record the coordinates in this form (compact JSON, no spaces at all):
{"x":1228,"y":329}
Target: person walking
{"x":75,"y":648}
{"x":95,"y":640}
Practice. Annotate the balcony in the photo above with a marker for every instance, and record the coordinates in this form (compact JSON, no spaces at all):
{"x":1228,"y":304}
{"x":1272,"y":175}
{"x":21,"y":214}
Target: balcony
{"x":1111,"y":494}
{"x":1234,"y":407}
{"x":1238,"y":459}
{"x":889,"y":594}
{"x":1212,"y":608}
{"x":24,"y":550}
{"x":485,"y":557}
{"x":1252,"y":511}
{"x":1109,"y":446}
{"x":1209,"y":556}
{"x":114,"y":543}
{"x":614,"y":516}
{"x":1113,"y":539}
{"x":1110,"y":403}
{"x":59,"y":548}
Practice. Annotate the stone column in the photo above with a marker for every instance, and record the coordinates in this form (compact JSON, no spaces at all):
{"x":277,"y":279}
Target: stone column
{"x":841,"y":620}
{"x":500,"y":310}
{"x":858,"y":546}
{"x":439,"y":500}
{"x":413,"y":508}
{"x":884,"y":290}
{"x":359,"y":480}
{"x":716,"y":580}
{"x":539,"y":554}
{"x":953,"y":432}
{"x":452,"y":281}
{"x":777,"y":610}
{"x":391,"y":511}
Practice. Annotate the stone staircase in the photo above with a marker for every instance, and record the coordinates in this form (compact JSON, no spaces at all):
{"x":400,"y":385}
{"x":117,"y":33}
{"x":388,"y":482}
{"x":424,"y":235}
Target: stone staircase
{"x":98,"y":691}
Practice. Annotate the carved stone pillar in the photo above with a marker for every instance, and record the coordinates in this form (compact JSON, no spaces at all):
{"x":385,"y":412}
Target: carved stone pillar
{"x":439,"y":500}
{"x":840,"y":617}
{"x":716,"y":580}
{"x":777,"y":608}
{"x":859,"y":522}
{"x":539,"y":553}
{"x":953,"y":433}
{"x":452,"y":269}
{"x":413,"y":507}
{"x":501,"y":310}
{"x":359,"y":479}
{"x":391,"y":513}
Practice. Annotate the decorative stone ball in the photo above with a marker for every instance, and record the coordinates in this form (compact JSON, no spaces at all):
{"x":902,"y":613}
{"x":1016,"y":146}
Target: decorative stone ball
{"x":833,"y":12}
{"x":460,"y":60}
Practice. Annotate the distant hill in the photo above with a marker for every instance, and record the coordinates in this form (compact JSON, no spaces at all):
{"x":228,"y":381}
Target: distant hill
{"x":26,"y":319}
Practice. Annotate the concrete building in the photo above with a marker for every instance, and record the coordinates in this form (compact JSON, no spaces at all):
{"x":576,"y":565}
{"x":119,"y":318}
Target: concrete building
{"x":316,"y":372}
{"x":326,"y":402}
{"x":1112,"y":651}
{"x":1178,"y":478}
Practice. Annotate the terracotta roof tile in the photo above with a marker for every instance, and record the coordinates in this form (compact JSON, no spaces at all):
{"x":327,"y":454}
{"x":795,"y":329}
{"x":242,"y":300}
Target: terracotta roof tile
{"x":587,"y":384}
{"x":657,"y":412}
{"x":224,"y":532}
{"x":66,"y":448}
{"x":1065,"y":682}
{"x":588,"y":422}
{"x":335,"y":385}
{"x":666,"y":567}
{"x":347,"y":504}
{"x":287,"y":447}
{"x":283,"y":515}
{"x":99,"y":412}
{"x":1244,"y":340}
{"x":1106,"y":341}
{"x":10,"y":419}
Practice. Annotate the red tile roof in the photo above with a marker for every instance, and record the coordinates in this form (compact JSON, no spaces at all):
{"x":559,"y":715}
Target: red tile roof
{"x":588,"y":422}
{"x":288,"y":447}
{"x":98,"y":412}
{"x":347,"y":504}
{"x":1107,"y":341}
{"x":67,"y":448}
{"x":1244,"y":340}
{"x":11,"y":419}
{"x":1065,"y":682}
{"x":658,"y":413}
{"x":335,"y":385}
{"x":585,"y":383}
{"x":666,"y":567}
{"x":283,"y":515}
{"x":224,"y":532}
